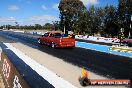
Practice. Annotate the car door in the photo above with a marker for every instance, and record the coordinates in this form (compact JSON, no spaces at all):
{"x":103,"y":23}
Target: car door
{"x":50,"y":38}
{"x":45,"y":38}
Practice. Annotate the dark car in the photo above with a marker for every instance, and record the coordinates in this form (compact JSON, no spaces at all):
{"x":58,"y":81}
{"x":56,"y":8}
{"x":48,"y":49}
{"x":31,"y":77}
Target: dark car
{"x":127,"y":41}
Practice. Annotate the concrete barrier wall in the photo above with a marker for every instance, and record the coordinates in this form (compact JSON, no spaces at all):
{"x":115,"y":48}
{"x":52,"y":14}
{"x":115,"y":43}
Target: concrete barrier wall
{"x":10,"y":75}
{"x":21,"y":71}
{"x":17,"y":74}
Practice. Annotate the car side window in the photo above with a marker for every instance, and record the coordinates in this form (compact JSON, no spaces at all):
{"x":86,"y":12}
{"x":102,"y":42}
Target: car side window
{"x":46,"y":34}
{"x":57,"y":35}
{"x":51,"y":35}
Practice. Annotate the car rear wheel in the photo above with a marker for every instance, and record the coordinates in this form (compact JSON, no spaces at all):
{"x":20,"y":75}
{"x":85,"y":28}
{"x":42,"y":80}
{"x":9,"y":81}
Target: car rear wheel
{"x":53,"y":45}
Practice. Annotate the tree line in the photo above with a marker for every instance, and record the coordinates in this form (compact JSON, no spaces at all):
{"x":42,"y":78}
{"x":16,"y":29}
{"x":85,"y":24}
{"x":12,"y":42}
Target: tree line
{"x":46,"y":26}
{"x":74,"y":16}
{"x":107,"y":21}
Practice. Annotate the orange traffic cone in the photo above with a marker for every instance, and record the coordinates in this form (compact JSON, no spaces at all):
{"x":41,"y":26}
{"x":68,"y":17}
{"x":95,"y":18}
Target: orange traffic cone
{"x":84,"y":80}
{"x":84,"y":73}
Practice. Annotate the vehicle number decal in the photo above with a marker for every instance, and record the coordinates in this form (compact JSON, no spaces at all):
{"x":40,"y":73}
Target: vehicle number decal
{"x":6,"y":69}
{"x":16,"y":83}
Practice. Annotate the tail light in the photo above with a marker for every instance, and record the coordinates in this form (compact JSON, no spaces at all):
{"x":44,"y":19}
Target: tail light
{"x":60,"y":40}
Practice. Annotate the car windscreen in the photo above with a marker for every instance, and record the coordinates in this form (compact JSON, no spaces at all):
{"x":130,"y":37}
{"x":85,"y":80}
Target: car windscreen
{"x":65,"y":35}
{"x":57,"y":35}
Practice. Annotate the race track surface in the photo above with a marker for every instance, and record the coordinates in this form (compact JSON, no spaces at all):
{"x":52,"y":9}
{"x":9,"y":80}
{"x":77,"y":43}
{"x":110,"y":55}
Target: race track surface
{"x":109,"y":65}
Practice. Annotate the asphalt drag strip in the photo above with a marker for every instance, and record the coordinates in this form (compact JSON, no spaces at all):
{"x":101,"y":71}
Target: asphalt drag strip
{"x":109,"y":65}
{"x":62,"y":69}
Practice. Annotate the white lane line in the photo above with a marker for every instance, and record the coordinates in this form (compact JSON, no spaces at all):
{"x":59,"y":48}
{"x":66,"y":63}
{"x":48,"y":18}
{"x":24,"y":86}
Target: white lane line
{"x":48,"y":75}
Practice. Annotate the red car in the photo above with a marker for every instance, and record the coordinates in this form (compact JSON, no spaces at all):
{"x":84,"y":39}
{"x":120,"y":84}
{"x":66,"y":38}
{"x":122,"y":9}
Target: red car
{"x":56,"y":39}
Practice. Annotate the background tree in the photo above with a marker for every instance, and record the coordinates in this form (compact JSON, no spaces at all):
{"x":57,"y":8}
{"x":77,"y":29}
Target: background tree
{"x":1,"y":27}
{"x":128,"y":14}
{"x":48,"y":26}
{"x":110,"y":21}
{"x":121,"y":13}
{"x":124,"y":15}
{"x":72,"y":13}
{"x":91,"y":19}
{"x":56,"y":25}
{"x":37,"y":27}
{"x":100,"y":15}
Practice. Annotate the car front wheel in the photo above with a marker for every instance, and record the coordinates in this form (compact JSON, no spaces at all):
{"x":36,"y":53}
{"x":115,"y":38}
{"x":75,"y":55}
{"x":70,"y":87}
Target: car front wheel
{"x":39,"y":41}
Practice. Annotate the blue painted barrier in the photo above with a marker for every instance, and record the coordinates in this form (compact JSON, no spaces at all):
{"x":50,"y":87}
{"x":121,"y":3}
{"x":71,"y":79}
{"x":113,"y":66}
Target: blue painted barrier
{"x":101,"y":48}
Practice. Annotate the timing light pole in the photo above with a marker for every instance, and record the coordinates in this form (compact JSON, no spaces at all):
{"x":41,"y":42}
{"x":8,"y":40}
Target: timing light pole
{"x":64,"y":21}
{"x":130,"y":28}
{"x":121,"y":35}
{"x":64,"y":27}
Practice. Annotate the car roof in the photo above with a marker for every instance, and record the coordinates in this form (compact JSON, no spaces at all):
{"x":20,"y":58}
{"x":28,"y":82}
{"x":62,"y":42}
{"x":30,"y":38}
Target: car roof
{"x":54,"y":32}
